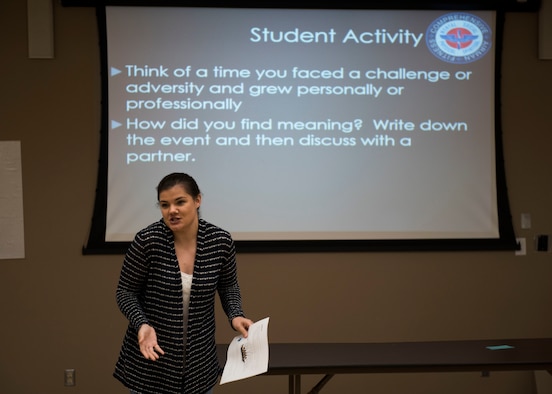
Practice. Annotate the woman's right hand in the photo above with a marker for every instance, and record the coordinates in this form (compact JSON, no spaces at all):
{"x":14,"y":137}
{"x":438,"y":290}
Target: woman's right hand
{"x":147,"y":339}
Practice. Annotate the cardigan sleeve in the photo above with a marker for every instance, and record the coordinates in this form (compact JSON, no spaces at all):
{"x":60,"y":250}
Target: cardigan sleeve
{"x":131,"y":281}
{"x":228,"y":287}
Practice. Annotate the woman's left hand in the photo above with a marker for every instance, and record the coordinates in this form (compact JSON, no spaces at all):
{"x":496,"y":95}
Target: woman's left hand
{"x":241,"y":324}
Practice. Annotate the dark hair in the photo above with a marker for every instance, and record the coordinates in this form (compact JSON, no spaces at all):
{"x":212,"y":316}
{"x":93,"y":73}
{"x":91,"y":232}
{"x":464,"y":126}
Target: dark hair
{"x":179,"y":178}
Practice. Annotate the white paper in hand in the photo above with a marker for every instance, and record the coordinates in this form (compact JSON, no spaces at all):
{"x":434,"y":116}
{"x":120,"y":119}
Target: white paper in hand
{"x":247,"y":357}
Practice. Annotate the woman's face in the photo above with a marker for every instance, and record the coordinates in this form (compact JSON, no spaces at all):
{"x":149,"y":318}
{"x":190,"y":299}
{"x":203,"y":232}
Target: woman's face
{"x":179,"y":209}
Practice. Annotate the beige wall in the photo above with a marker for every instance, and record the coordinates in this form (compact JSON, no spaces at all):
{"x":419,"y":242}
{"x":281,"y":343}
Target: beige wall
{"x":57,"y":307}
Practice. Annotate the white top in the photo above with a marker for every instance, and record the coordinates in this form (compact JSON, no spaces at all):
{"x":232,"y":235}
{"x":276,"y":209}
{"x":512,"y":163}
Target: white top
{"x":186,"y":289}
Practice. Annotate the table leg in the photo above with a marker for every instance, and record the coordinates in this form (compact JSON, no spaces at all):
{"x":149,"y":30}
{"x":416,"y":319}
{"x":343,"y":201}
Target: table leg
{"x":316,"y":389}
{"x":294,"y":384}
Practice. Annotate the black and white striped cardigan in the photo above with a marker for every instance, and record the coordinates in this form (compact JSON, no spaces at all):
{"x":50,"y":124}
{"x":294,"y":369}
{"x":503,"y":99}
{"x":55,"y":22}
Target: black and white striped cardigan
{"x":150,"y":291}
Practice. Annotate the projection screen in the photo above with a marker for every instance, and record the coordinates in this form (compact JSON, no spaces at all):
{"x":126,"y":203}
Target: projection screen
{"x":306,"y":129}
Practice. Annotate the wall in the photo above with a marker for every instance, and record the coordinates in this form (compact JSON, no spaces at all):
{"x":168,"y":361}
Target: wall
{"x":58,"y":309}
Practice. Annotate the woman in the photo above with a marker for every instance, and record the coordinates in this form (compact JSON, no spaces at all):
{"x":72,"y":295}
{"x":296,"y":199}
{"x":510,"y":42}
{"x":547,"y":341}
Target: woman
{"x":170,"y":275}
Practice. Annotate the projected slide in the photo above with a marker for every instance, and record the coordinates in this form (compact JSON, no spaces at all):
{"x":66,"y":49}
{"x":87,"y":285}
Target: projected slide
{"x":305,"y":124}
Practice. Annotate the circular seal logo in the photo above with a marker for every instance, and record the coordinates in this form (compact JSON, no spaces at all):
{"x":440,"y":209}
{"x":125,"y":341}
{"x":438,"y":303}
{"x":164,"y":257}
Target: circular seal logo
{"x":458,"y":38}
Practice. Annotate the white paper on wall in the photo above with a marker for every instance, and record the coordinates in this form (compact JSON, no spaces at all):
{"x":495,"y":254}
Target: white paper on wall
{"x":12,"y":240}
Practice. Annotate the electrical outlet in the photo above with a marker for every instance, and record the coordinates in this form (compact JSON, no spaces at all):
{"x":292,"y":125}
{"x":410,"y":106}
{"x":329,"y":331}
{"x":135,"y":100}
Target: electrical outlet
{"x":69,"y":377}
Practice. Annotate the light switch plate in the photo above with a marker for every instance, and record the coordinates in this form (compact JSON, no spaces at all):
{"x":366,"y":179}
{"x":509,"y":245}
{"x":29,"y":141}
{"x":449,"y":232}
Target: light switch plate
{"x":522,"y":247}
